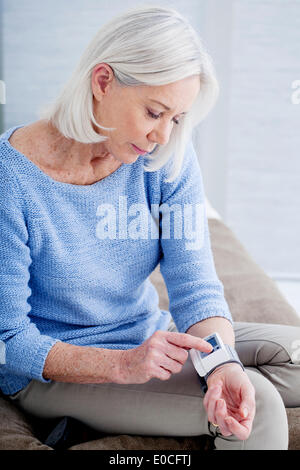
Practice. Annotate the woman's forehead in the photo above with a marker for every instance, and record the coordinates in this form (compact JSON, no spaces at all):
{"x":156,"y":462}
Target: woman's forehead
{"x":172,"y":95}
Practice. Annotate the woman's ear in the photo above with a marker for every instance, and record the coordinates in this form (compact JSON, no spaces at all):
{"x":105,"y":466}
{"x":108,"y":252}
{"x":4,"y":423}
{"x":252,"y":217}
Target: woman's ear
{"x":102,"y":79}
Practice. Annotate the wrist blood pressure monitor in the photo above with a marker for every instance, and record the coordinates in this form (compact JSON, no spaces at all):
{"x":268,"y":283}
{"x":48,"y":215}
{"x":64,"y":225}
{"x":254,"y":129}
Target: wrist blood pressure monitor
{"x":206,"y":363}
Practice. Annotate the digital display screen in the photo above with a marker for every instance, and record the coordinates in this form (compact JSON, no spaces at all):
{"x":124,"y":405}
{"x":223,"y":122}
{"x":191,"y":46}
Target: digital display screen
{"x":213,"y":341}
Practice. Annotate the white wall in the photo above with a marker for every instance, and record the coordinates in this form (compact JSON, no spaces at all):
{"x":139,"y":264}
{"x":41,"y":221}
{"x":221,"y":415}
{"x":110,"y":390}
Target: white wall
{"x":263,"y":190}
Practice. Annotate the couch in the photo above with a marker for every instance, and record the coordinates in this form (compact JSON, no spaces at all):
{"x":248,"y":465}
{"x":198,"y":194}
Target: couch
{"x":252,"y":296}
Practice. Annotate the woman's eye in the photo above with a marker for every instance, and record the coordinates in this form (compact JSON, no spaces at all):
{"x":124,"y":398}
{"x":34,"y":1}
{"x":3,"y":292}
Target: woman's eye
{"x":154,"y":116}
{"x":157,"y":116}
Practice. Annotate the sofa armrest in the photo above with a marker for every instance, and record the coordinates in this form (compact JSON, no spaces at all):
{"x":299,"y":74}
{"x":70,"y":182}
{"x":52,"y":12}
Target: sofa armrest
{"x":251,"y":294}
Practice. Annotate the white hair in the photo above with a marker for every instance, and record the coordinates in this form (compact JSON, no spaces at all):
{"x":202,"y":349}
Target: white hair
{"x":148,"y":45}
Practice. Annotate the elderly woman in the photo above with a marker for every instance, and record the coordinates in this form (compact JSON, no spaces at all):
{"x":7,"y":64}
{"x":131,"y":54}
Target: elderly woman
{"x":86,"y":195}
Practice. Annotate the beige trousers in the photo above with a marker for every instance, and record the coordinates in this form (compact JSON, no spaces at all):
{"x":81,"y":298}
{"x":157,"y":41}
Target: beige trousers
{"x":175,"y":407}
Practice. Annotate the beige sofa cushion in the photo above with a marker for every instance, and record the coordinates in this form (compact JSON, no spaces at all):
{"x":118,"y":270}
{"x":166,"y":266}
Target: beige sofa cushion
{"x":251,"y":295}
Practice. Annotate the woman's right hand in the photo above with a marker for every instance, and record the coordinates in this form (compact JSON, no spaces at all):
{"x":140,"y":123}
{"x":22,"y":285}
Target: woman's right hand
{"x":160,"y":356}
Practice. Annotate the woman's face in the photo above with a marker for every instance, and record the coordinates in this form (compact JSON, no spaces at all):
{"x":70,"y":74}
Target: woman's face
{"x":138,"y":113}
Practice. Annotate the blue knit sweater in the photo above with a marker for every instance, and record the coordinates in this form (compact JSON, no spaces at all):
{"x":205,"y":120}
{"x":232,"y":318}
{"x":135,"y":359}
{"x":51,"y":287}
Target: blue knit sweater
{"x":75,"y":260}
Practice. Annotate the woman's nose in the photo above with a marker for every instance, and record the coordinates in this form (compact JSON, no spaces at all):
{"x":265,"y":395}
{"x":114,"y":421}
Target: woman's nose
{"x":161,"y":134}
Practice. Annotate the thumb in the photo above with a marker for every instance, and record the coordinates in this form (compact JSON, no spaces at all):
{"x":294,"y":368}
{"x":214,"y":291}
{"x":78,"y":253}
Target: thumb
{"x":244,"y":410}
{"x":247,"y":400}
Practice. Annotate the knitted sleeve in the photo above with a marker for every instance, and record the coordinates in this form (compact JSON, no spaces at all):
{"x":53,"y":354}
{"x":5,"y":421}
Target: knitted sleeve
{"x":25,"y":348}
{"x":187,"y":265}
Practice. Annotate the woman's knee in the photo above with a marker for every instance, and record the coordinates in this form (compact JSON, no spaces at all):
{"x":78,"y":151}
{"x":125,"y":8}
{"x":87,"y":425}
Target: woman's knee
{"x":274,"y":350}
{"x":270,"y":424}
{"x":259,"y":344}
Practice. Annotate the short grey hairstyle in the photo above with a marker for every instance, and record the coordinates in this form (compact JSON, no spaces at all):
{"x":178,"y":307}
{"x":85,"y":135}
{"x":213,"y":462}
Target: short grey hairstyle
{"x":148,"y":45}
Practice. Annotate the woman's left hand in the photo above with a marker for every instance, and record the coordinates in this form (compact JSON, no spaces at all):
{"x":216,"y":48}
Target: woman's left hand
{"x":230,"y":401}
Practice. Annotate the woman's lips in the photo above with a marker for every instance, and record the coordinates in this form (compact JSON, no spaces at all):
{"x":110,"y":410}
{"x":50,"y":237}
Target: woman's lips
{"x":138,"y":150}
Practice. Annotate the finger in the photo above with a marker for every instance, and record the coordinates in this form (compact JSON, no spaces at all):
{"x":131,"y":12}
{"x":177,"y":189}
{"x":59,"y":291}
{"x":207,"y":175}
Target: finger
{"x":184,"y":340}
{"x":176,"y":353}
{"x":221,"y":414}
{"x":170,"y":364}
{"x":214,"y":395}
{"x":212,"y":390}
{"x":247,"y":406}
{"x":241,"y":431}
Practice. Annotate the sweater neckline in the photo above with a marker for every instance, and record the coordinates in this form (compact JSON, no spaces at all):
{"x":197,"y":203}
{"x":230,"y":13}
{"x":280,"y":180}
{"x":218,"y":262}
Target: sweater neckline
{"x":32,"y":165}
